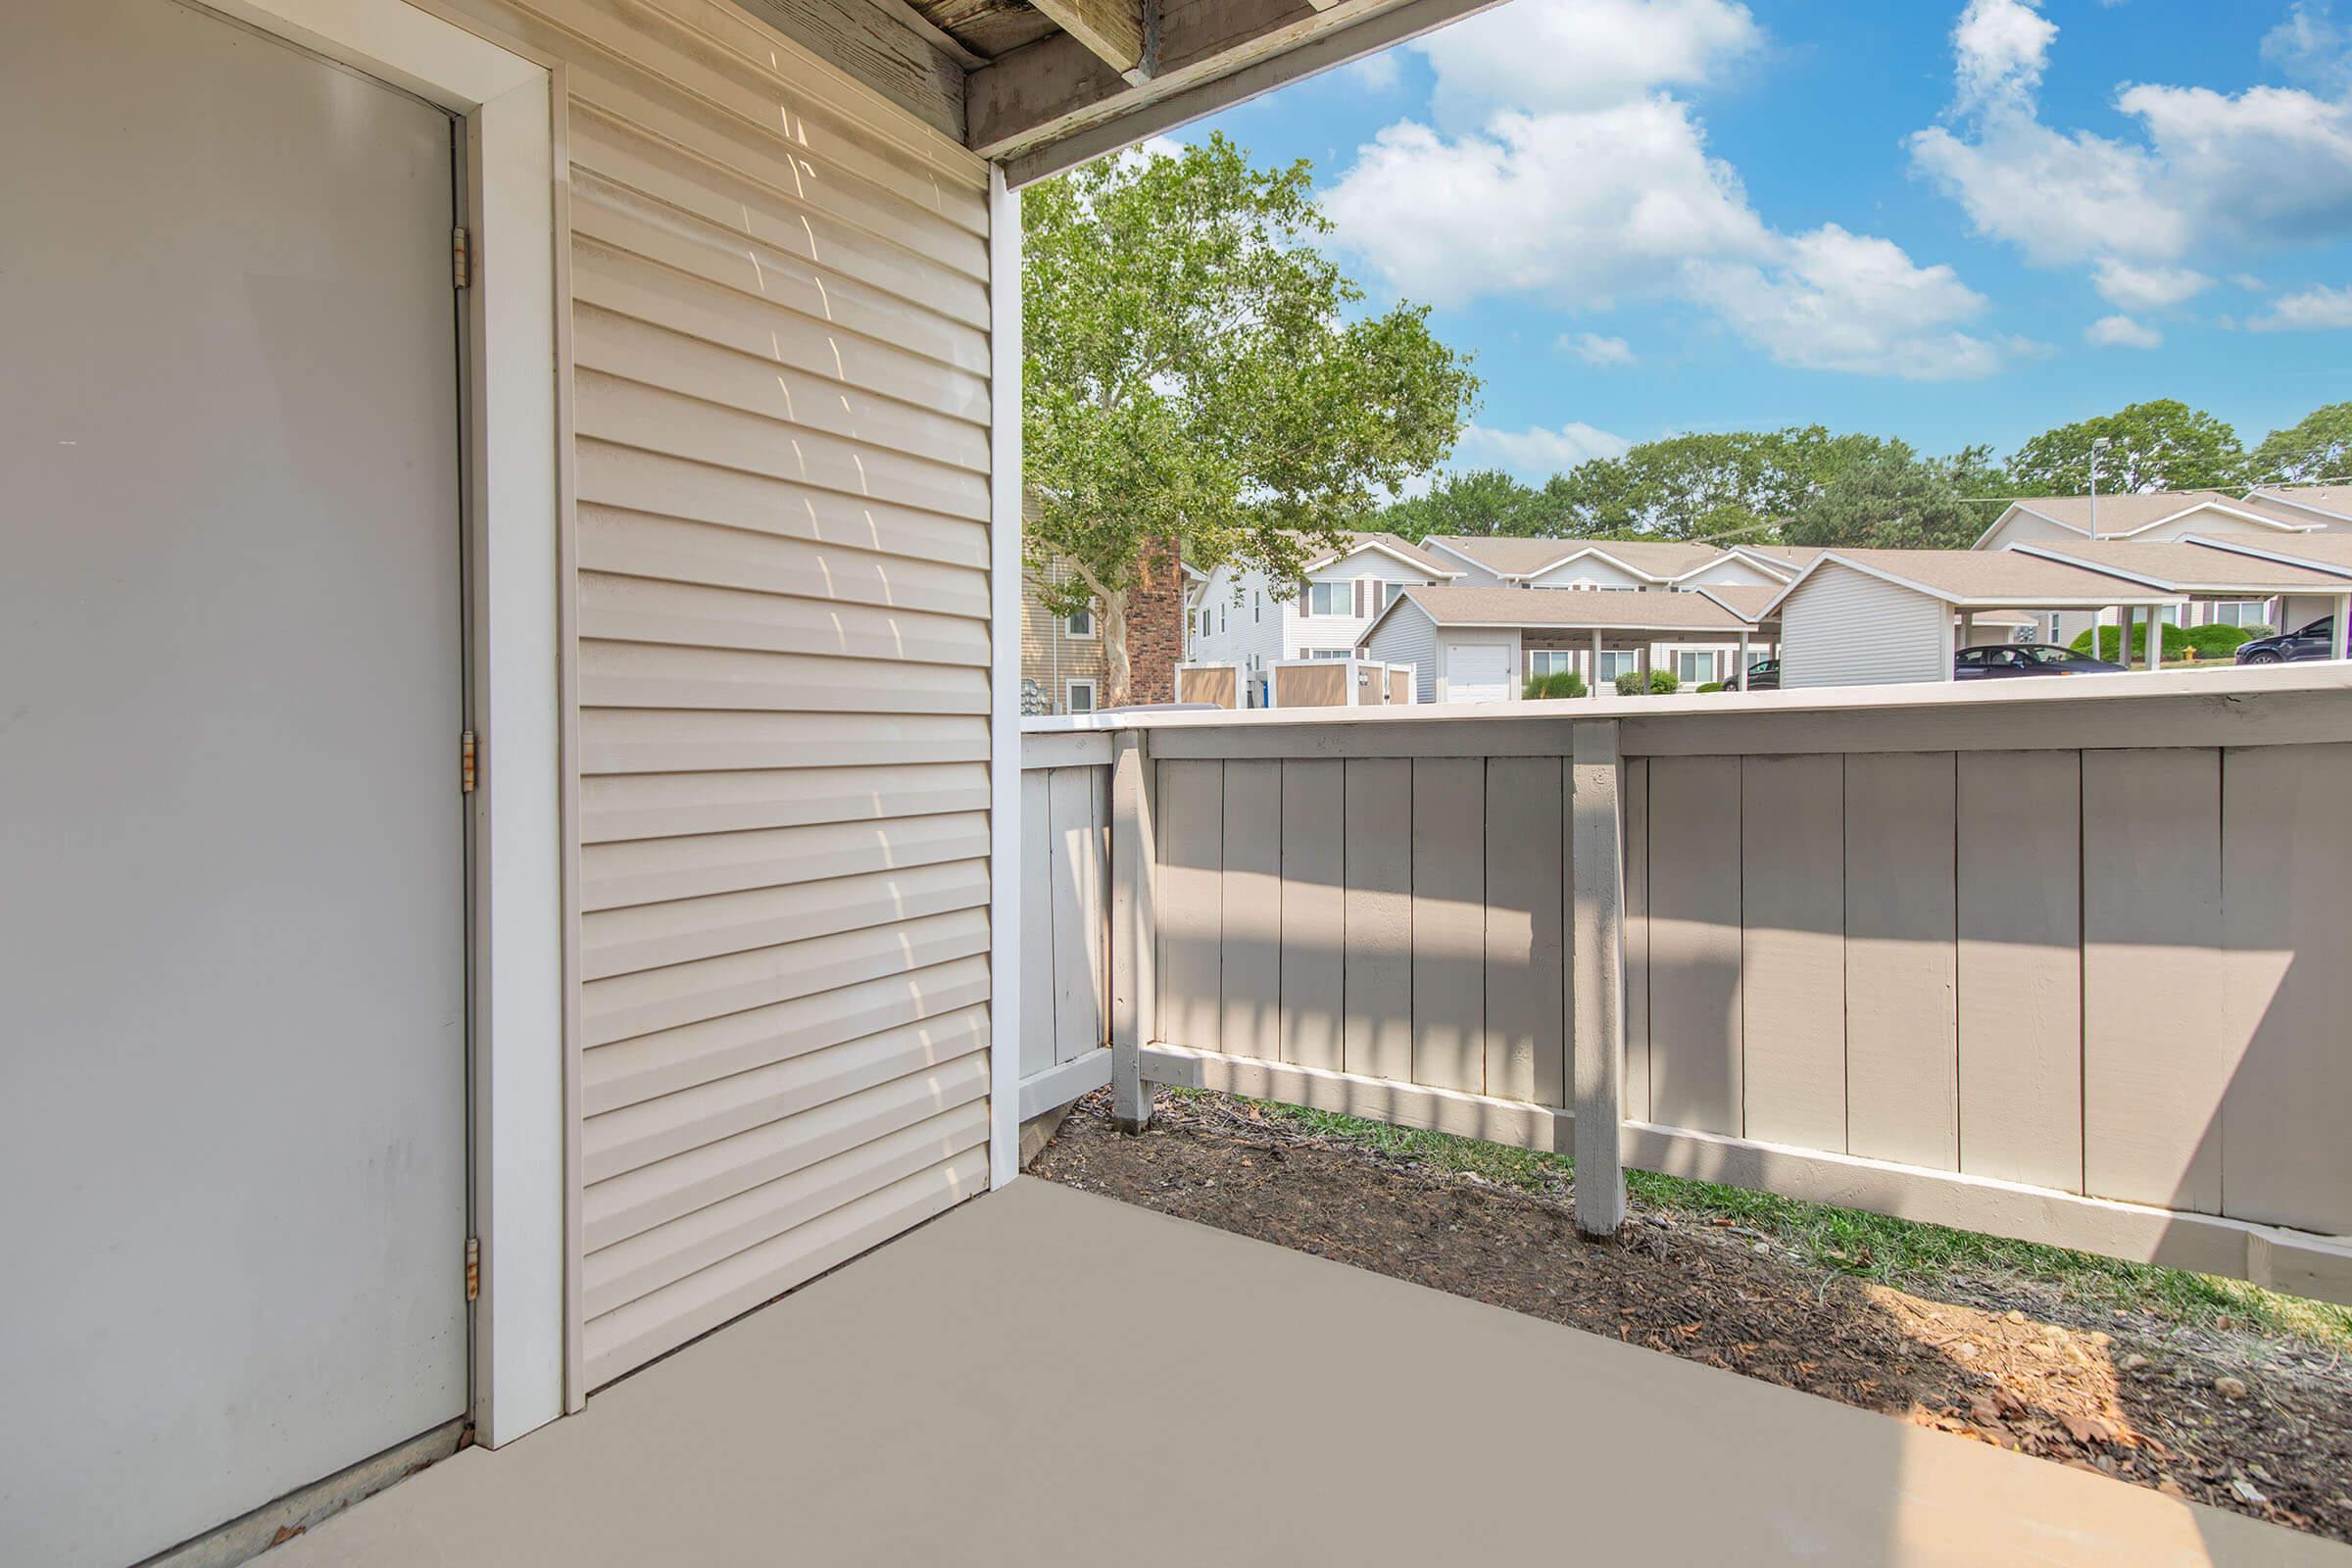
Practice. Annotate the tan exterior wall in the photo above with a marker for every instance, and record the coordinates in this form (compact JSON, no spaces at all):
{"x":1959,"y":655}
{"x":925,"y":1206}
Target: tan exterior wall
{"x":780,"y":336}
{"x":1050,"y":657}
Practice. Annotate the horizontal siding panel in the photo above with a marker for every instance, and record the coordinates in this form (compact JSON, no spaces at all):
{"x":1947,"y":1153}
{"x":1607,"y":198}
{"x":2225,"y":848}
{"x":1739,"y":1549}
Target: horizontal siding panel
{"x":626,"y":1270}
{"x":633,"y":544}
{"x":667,"y":1318}
{"x":626,"y":155}
{"x":719,"y":253}
{"x":628,"y":1005}
{"x":605,"y":409}
{"x":847,"y":113}
{"x":641,"y":290}
{"x":756,"y":384}
{"x":645,"y":806}
{"x":643,"y":675}
{"x":691,"y":616}
{"x":636,"y":1201}
{"x":635,"y":1136}
{"x":629,"y":1070}
{"x":615,"y":875}
{"x":773,"y":111}
{"x":618,"y":942}
{"x":647,"y":741}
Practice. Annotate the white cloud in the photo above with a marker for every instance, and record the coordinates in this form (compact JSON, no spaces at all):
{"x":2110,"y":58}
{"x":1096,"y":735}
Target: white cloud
{"x":1536,"y":454}
{"x":2208,"y":174}
{"x":1838,"y":301}
{"x":1537,"y":55}
{"x":2122,"y":333}
{"x":2146,"y":288}
{"x":2310,"y":46}
{"x":1378,"y":73}
{"x":2312,"y":310}
{"x":1601,"y":353}
{"x":1586,"y":206}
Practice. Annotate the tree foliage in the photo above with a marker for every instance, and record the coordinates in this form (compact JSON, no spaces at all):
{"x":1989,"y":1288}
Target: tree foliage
{"x":2313,"y":451}
{"x":1478,"y":501}
{"x":1890,"y":499}
{"x":2161,"y":445}
{"x":1196,"y":376}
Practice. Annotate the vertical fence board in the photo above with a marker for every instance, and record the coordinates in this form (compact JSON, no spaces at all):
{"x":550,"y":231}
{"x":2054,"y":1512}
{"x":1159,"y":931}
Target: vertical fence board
{"x":1037,"y":926}
{"x":1252,"y":904}
{"x":1792,"y":948}
{"x":1694,"y":942}
{"x":1076,"y":856}
{"x":1636,"y":882}
{"x":1191,"y":825}
{"x":1315,"y":912}
{"x":1527,"y":996}
{"x":2154,"y":1061}
{"x":1450,"y":922}
{"x":1903,"y":1079}
{"x":1379,"y":814}
{"x":2287,"y":905}
{"x":2021,"y":966}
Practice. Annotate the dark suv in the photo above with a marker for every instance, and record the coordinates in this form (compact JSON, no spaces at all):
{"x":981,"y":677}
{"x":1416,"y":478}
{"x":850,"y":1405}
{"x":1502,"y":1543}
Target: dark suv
{"x":2314,"y":641}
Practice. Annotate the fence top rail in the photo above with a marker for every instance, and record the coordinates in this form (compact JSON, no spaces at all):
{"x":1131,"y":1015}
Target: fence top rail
{"x":2283,"y":705}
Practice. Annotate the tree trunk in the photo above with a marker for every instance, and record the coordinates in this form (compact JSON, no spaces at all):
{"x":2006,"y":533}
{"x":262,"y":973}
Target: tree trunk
{"x":1118,"y":673}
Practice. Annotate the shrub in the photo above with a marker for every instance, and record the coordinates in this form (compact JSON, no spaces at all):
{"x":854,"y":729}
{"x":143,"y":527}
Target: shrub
{"x":2175,"y":643}
{"x":1559,"y":683}
{"x":2216,"y":642}
{"x":1711,"y":686}
{"x":1661,"y":682}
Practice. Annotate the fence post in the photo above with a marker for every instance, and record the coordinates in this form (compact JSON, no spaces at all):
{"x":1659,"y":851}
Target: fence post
{"x":1596,"y":936}
{"x":1134,"y":928}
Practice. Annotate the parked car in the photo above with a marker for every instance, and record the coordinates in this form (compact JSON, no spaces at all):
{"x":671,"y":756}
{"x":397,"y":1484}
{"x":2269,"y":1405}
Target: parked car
{"x":2003,"y":661}
{"x":2314,"y":641}
{"x":1764,"y":675}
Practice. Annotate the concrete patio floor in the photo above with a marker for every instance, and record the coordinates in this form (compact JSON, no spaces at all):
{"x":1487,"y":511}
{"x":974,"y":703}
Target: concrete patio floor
{"x":1046,"y":1377}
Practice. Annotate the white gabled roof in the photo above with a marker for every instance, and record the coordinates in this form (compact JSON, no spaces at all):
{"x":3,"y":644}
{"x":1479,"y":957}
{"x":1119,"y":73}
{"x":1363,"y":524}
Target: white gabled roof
{"x":2185,"y":567}
{"x":2123,"y":515}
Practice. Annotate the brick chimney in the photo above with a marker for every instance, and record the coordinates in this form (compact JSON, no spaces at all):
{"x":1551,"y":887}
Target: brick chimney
{"x":1155,"y":629}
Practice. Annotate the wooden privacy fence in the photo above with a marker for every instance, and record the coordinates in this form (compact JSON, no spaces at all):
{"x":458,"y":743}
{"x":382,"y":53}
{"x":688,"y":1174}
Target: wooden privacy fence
{"x":2073,"y":966}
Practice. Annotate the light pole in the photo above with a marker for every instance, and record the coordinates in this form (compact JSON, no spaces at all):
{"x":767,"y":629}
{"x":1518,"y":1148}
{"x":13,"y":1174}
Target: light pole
{"x":2098,"y":445}
{"x":2123,"y":642}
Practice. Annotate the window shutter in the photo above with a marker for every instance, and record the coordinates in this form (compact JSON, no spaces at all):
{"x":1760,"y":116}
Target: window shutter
{"x":1361,"y":585}
{"x":1306,"y":599}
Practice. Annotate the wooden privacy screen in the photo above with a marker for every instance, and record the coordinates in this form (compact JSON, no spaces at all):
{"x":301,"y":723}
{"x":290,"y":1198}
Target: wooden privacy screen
{"x":1065,"y":888}
{"x":2116,"y":972}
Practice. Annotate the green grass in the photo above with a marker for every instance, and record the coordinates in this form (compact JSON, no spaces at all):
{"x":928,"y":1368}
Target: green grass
{"x":1907,"y":1254}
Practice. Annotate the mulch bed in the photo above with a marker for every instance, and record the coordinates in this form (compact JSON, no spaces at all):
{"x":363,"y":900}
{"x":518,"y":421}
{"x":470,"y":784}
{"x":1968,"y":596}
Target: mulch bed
{"x":2249,"y":1422}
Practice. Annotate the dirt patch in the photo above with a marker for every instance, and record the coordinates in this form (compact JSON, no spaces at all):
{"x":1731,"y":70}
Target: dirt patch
{"x":2250,"y":1423}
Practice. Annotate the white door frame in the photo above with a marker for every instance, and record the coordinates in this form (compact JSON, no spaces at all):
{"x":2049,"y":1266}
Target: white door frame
{"x":522,"y":941}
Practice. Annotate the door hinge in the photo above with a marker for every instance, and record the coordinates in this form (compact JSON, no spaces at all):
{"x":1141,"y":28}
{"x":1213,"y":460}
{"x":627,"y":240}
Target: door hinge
{"x":473,"y":1267}
{"x":467,"y":753}
{"x":460,"y":257}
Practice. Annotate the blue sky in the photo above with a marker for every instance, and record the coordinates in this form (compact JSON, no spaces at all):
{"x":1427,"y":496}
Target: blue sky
{"x":1949,"y":221}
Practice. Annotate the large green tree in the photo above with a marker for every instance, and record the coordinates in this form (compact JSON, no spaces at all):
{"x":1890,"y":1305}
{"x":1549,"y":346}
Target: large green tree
{"x":1481,"y":501}
{"x":2162,"y":445}
{"x":2316,"y":450}
{"x":1889,"y":498}
{"x":1198,"y":376}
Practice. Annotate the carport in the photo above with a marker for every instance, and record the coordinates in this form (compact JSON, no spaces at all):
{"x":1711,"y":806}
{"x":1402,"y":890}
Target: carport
{"x":2212,"y":569}
{"x":2329,"y":556}
{"x":1880,"y":616}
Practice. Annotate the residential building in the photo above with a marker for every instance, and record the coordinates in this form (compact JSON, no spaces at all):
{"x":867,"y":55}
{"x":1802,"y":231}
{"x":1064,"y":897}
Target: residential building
{"x":1481,"y":644}
{"x":1065,"y":665}
{"x":1243,"y":619}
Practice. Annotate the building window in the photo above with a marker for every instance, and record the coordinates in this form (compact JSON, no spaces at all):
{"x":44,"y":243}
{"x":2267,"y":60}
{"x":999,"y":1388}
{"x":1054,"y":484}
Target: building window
{"x":1693,"y":668}
{"x":1221,"y":618}
{"x":1618,"y":662}
{"x":1330,"y":599}
{"x":1551,"y":661}
{"x":1325,"y":653}
{"x":1388,"y":594}
{"x":1257,"y":608}
{"x":2240,"y":613}
{"x":1079,"y":697}
{"x":1082,"y":624}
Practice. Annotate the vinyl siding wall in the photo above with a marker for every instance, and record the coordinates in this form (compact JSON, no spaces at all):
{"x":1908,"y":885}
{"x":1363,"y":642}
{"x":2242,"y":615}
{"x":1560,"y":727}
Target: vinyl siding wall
{"x":779,"y":327}
{"x":1843,"y":627}
{"x":1409,"y":637}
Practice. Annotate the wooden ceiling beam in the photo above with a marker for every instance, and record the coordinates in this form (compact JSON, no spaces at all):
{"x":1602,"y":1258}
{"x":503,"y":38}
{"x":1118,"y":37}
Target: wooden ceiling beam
{"x":1124,"y":34}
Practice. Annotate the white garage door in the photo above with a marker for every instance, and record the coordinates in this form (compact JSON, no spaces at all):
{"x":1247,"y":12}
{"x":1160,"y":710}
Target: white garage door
{"x":233,"y":1022}
{"x":1478,"y":672}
